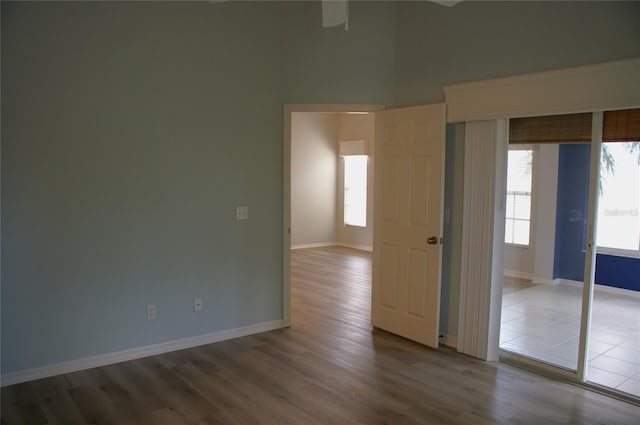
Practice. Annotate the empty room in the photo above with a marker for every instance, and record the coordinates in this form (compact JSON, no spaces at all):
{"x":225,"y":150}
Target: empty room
{"x":303,"y":212}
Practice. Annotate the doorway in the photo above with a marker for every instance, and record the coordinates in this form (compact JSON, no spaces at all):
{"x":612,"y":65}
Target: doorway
{"x":408,"y":194}
{"x":313,"y":222}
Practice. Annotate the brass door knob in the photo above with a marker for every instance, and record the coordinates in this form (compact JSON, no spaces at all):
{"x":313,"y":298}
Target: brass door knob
{"x":432,"y":240}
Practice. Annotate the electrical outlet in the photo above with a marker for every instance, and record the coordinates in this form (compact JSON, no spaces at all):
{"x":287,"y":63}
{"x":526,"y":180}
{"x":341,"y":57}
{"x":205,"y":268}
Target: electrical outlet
{"x":197,"y":304}
{"x":151,"y":312}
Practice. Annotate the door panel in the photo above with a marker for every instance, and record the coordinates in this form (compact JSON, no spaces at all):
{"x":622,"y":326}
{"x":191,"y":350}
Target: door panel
{"x":419,"y":197}
{"x":407,"y":214}
{"x":418,"y":270}
{"x":391,"y":189}
{"x":389,"y":265}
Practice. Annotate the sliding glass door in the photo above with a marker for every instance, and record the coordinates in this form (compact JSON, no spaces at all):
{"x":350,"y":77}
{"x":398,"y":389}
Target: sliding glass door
{"x":571,"y":293}
{"x":614,"y":349}
{"x":545,"y":251}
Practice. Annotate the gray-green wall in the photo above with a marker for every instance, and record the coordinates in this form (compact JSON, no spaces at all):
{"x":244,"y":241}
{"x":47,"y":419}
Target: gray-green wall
{"x":131,"y":131}
{"x":477,"y":40}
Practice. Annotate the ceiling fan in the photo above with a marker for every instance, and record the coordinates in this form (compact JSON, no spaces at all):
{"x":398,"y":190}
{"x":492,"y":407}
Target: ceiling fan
{"x":336,"y":12}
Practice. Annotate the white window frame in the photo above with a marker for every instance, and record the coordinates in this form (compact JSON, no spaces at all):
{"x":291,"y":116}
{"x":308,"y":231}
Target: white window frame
{"x":534,"y":150}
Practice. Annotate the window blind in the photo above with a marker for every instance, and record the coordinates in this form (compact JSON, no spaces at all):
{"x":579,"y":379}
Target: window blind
{"x":621,"y":126}
{"x":618,"y":126}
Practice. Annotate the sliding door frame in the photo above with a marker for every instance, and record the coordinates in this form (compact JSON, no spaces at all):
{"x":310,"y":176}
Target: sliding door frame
{"x":593,"y":88}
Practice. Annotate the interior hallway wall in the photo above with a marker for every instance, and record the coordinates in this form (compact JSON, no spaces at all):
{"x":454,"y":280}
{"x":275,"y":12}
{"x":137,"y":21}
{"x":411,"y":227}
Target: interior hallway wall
{"x":314,"y":172}
{"x":535,"y":261}
{"x":546,"y":205}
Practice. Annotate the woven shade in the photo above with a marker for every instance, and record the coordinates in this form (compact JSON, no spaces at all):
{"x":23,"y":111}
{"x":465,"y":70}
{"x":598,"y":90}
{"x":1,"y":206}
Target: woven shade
{"x":621,"y":126}
{"x":572,"y":128}
{"x":617,"y":126}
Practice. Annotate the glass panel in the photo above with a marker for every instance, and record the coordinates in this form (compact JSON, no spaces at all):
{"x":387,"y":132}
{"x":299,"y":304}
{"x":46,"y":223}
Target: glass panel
{"x":510,"y":206}
{"x":508,"y":231}
{"x":518,"y":202}
{"x":522,"y":207}
{"x":619,"y":204}
{"x":355,"y":190}
{"x":614,"y":348}
{"x":521,"y":232}
{"x":541,"y":306}
{"x":519,"y":170}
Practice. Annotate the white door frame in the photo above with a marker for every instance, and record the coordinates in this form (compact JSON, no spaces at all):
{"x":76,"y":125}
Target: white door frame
{"x":289,"y":109}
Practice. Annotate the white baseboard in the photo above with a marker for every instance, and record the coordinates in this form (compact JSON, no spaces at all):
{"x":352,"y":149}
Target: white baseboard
{"x":601,"y":288}
{"x":326,"y":244}
{"x":528,"y":276}
{"x":355,"y":246}
{"x":618,"y":291}
{"x":558,"y":281}
{"x":518,"y":274}
{"x":542,"y":281}
{"x":313,"y":245}
{"x":449,"y":341}
{"x":135,"y":353}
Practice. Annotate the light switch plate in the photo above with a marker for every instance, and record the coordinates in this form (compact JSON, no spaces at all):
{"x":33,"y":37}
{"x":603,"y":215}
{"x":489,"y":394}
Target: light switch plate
{"x":242,"y":213}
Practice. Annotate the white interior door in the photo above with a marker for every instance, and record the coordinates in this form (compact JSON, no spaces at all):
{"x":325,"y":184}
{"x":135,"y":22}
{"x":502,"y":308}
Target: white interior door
{"x":408,"y":197}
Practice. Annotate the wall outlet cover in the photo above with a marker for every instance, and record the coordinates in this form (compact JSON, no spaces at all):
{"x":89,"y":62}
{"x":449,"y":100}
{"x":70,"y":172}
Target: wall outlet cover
{"x":151,"y":312}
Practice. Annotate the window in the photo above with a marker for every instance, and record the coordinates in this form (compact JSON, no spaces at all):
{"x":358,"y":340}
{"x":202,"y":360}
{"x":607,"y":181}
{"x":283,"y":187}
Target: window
{"x":518,"y":205}
{"x":619,"y":203}
{"x":355,"y":190}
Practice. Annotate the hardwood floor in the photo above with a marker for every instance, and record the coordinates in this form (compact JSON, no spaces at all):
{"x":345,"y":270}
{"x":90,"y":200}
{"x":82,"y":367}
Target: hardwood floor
{"x":329,"y":367}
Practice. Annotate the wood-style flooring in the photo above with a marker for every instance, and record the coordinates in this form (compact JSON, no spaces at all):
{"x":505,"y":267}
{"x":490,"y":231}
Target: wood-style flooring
{"x":328,"y":368}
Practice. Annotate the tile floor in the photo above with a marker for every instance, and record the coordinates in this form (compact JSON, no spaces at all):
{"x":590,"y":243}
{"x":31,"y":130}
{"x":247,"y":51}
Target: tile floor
{"x":543,"y":322}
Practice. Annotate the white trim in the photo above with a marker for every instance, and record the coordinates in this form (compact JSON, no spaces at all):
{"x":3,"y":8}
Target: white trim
{"x":560,"y":281}
{"x":326,"y":244}
{"x":615,"y":252}
{"x":605,"y":86}
{"x":313,"y":245}
{"x":356,"y":246}
{"x":482,"y":267}
{"x":597,"y":287}
{"x":519,"y":275}
{"x":135,"y":353}
{"x":518,"y":245}
{"x":617,"y":291}
{"x":590,"y":254}
{"x":542,"y":281}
